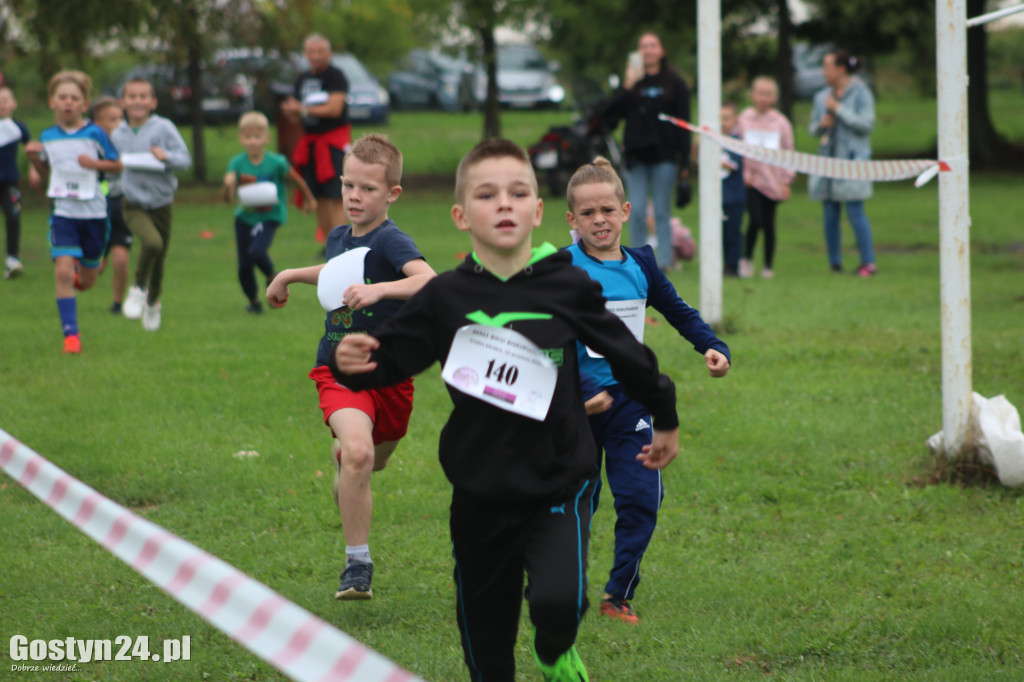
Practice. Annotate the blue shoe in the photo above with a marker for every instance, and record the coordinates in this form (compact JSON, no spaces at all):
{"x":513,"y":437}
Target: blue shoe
{"x":355,"y":581}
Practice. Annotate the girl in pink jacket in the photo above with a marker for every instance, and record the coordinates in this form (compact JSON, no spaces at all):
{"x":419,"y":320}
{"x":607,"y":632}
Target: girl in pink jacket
{"x":765,"y":126}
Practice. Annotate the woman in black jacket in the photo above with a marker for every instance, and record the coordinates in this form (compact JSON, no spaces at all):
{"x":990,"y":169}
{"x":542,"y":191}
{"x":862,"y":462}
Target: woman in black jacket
{"x":657,"y":152}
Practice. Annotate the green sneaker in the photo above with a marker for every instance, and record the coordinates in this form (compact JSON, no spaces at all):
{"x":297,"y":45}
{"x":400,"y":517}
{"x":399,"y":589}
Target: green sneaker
{"x":568,"y":668}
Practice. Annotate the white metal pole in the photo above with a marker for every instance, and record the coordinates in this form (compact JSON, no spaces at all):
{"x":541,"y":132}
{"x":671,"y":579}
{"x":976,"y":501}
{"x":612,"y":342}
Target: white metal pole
{"x":954,"y":225}
{"x":709,"y":98}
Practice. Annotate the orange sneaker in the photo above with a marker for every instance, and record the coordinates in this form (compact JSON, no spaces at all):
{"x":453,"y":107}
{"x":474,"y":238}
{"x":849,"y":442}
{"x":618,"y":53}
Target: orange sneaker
{"x":72,"y":344}
{"x":613,"y":607}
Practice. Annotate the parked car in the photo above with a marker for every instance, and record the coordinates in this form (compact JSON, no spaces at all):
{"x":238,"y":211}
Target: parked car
{"x":367,"y":100}
{"x":431,"y":80}
{"x":525,"y":79}
{"x":226,"y":95}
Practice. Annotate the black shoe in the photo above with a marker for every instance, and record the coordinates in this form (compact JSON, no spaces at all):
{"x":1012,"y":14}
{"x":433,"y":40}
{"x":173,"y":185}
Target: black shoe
{"x":115,"y":308}
{"x":355,"y":581}
{"x":256,"y":308}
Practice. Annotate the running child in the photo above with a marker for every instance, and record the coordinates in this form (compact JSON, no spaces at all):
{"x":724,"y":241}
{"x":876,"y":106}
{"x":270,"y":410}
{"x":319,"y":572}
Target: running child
{"x":367,"y":425}
{"x":631,"y":280}
{"x":12,"y":133}
{"x":107,"y":114}
{"x":74,"y":152}
{"x":516,"y":447}
{"x":149,"y":195}
{"x":256,"y":223}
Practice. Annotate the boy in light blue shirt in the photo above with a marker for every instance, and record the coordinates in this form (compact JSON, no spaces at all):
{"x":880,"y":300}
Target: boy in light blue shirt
{"x":631,"y":281}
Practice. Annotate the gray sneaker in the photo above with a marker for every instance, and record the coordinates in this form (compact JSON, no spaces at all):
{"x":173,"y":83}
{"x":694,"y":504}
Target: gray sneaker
{"x":355,"y":581}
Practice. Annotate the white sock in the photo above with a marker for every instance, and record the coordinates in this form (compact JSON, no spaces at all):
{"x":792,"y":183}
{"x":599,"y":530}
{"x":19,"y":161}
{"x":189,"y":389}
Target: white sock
{"x":360,"y":553}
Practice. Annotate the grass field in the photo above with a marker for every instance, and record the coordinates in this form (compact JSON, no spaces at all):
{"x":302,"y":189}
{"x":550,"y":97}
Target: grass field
{"x":797,"y":539}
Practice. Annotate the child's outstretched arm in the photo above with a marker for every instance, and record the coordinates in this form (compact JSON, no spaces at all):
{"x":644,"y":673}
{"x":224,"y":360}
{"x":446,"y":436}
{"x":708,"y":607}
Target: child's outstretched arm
{"x":310,"y":201}
{"x":717,"y":362}
{"x":417,"y":273}
{"x":230,"y":183}
{"x":277,"y":290}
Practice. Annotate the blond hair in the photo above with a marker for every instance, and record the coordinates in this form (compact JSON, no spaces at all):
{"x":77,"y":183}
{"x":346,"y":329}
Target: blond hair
{"x":598,"y":170}
{"x":766,"y":80}
{"x":493,"y":148}
{"x":79,"y":78}
{"x":254,"y":119}
{"x":377,"y":149}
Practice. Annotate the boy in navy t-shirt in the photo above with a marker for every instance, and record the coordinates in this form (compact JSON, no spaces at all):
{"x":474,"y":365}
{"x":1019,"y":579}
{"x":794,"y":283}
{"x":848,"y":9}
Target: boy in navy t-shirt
{"x":12,"y":133}
{"x":368,"y":424}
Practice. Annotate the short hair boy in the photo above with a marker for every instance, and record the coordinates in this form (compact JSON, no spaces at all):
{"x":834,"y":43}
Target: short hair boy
{"x":257,"y":223}
{"x":12,"y":133}
{"x":631,"y":281}
{"x":367,"y":425}
{"x":74,"y":152}
{"x":516,"y":447}
{"x":149,"y":194}
{"x":108,"y":114}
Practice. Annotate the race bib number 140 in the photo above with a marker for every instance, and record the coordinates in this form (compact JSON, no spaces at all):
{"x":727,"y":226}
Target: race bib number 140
{"x":502,"y":367}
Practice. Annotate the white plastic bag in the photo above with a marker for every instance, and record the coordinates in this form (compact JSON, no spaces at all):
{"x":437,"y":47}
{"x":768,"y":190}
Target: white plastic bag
{"x":997,"y":438}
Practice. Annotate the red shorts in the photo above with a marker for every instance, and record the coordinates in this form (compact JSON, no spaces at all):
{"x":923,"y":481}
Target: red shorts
{"x":388,"y":408}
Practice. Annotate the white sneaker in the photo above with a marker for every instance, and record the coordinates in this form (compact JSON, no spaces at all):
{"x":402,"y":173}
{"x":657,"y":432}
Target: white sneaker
{"x":12,"y":268}
{"x":134,"y":303}
{"x":746,"y":268}
{"x":151,"y":317}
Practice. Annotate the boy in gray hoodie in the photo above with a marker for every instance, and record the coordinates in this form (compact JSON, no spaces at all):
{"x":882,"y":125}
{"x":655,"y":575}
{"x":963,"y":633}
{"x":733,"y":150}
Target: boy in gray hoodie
{"x":154,"y":149}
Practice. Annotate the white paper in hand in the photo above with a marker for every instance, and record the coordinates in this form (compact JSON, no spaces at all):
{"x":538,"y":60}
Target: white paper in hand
{"x":339,"y":274}
{"x":315,"y":98}
{"x":258,"y":194}
{"x":9,"y":132}
{"x":143,"y":161}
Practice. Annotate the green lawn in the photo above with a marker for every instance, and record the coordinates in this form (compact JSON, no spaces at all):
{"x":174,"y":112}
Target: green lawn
{"x":795,"y":542}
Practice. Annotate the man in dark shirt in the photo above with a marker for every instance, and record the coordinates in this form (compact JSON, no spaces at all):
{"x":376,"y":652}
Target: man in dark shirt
{"x":319,"y":104}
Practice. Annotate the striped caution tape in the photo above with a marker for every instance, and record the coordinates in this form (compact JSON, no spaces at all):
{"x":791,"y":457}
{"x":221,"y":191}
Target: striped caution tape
{"x":825,"y":166}
{"x":283,"y":634}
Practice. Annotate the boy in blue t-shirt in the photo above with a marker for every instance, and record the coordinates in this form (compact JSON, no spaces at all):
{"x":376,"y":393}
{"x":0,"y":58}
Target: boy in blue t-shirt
{"x":260,"y":214}
{"x":631,"y":281}
{"x":367,"y":425}
{"x":74,"y":152}
{"x":12,"y":133}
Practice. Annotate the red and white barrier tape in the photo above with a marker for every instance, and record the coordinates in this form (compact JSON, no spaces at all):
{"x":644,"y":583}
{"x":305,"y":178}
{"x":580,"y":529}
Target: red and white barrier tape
{"x":813,"y":164}
{"x":283,"y":634}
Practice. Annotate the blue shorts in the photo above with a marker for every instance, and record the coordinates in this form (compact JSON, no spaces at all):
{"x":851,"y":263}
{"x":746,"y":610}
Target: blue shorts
{"x":81,"y":238}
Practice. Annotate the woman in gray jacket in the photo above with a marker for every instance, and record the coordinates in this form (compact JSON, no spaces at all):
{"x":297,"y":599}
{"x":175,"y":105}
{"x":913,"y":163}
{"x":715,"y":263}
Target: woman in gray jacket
{"x":843,"y":117}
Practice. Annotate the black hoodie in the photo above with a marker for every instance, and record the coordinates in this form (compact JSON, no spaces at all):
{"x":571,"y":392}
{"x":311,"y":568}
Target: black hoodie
{"x":487,"y":451}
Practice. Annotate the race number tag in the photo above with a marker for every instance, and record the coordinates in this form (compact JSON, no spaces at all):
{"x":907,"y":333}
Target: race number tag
{"x":630,"y":312}
{"x":502,"y":367}
{"x":339,"y":274}
{"x":9,"y":132}
{"x":769,"y":139}
{"x":71,"y":181}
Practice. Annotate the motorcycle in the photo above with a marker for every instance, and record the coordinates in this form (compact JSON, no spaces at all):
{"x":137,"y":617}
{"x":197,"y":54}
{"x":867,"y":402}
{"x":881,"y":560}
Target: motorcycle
{"x":564,"y":148}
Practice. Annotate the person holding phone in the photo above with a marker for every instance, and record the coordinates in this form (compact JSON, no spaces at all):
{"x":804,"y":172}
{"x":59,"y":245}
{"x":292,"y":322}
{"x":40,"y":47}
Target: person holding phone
{"x":656,"y":152}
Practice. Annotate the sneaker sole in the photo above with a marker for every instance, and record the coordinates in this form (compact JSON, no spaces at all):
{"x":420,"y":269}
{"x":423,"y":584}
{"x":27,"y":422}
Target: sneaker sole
{"x":353,"y":594}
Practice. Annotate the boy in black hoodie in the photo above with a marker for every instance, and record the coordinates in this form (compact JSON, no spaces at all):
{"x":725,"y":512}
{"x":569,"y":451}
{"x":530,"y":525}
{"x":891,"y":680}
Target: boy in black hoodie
{"x":517,"y":446}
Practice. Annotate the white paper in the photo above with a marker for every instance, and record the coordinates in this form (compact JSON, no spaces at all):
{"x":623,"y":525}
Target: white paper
{"x":501,"y":367}
{"x":258,"y":194}
{"x":769,"y":139}
{"x":70,"y":181}
{"x":633,"y":313}
{"x":339,"y":274}
{"x":9,"y":132}
{"x":315,"y":98}
{"x":143,"y":161}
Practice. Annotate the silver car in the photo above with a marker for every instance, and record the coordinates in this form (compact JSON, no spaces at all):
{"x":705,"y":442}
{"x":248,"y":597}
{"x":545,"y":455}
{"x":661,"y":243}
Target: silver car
{"x":525,"y":79}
